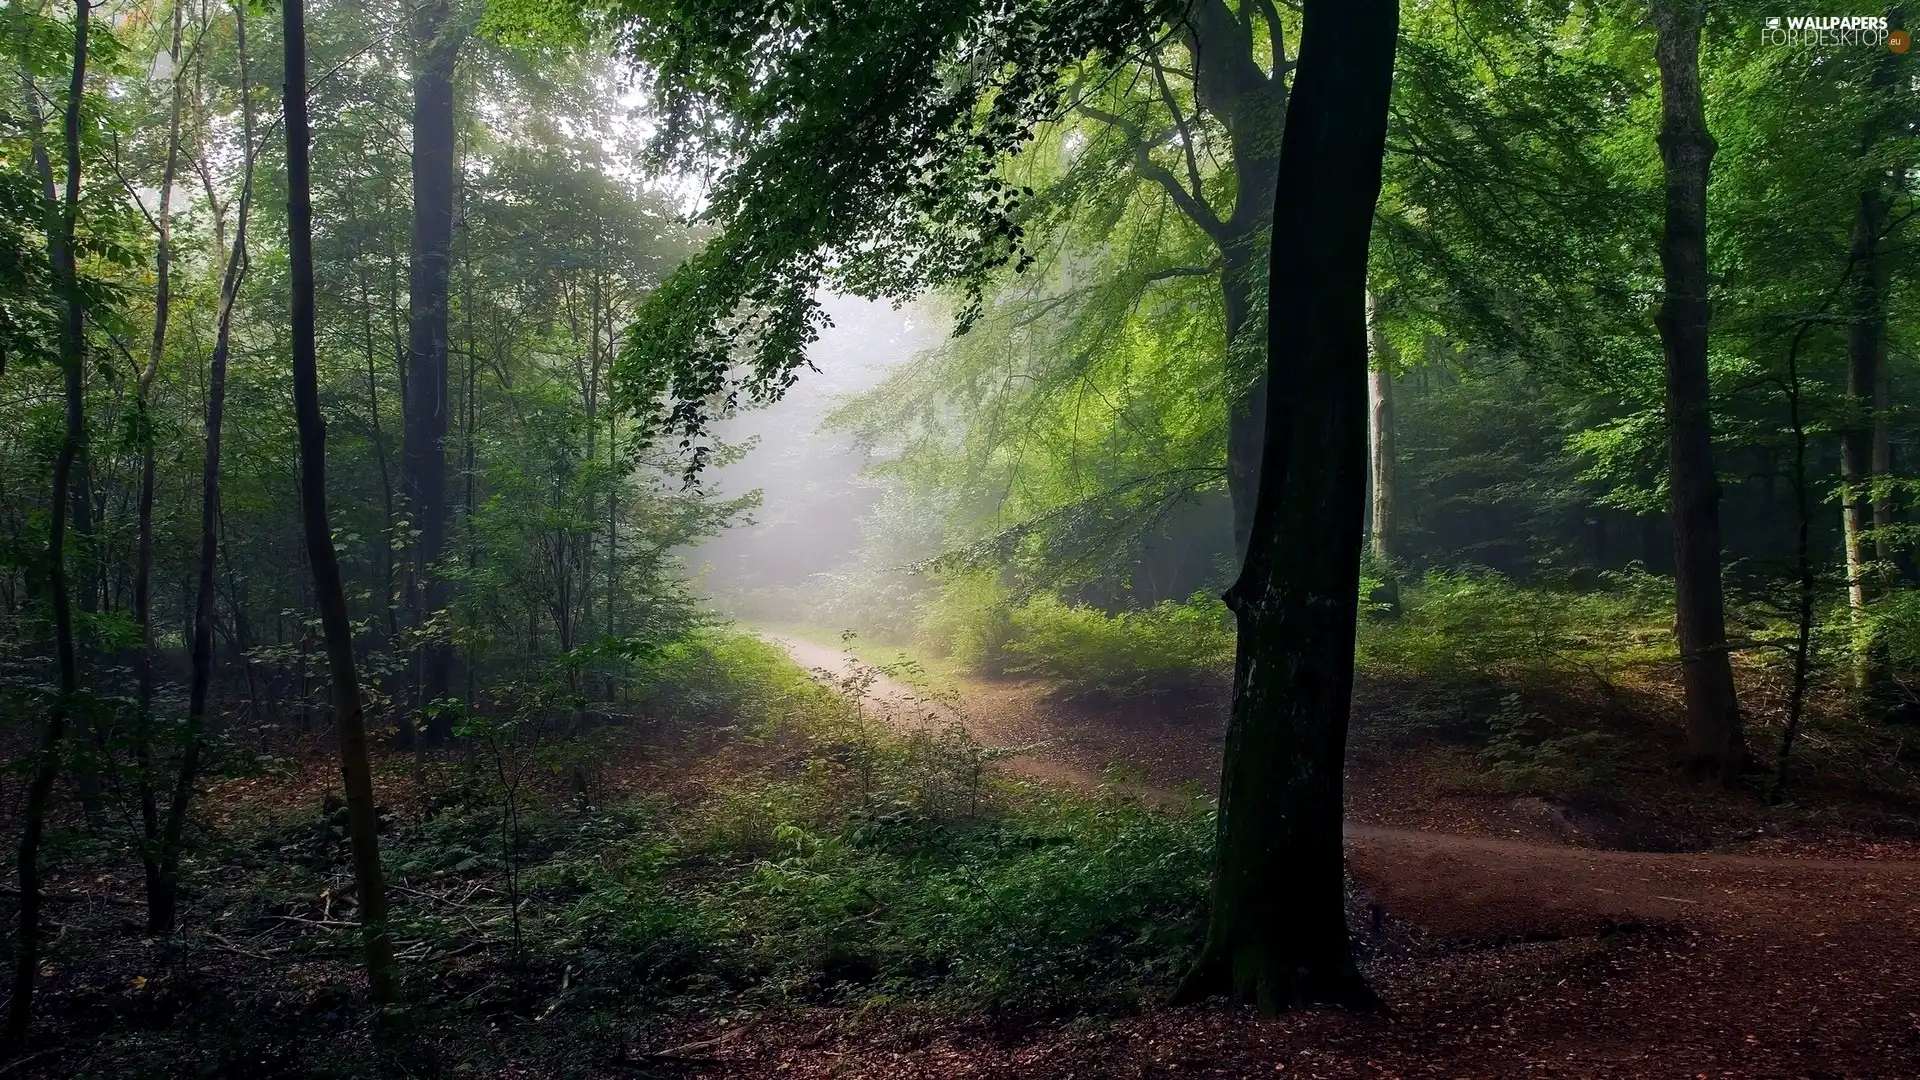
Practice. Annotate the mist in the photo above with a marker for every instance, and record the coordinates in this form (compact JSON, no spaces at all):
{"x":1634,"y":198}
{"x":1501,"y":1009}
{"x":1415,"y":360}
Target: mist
{"x":814,"y":499}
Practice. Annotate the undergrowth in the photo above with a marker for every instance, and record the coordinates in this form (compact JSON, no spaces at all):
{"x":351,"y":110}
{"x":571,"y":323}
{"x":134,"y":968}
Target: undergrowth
{"x":849,"y":863}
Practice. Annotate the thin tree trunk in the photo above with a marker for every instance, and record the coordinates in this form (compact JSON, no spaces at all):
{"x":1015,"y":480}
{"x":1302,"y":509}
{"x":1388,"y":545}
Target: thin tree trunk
{"x":73,"y":357}
{"x":355,"y":768}
{"x":1380,"y":460}
{"x":1803,"y":570}
{"x":79,"y":501}
{"x":143,"y":557}
{"x":1866,"y":355}
{"x":1380,"y":433}
{"x":163,"y":896}
{"x":1277,"y":932}
{"x":423,"y":459}
{"x":1883,"y":464}
{"x":1715,"y":748}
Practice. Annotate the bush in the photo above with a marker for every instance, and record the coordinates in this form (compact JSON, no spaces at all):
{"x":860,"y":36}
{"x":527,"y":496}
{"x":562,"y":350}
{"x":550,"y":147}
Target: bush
{"x":1525,"y":756}
{"x":1085,"y":649}
{"x":1464,"y":625}
{"x":969,"y":619}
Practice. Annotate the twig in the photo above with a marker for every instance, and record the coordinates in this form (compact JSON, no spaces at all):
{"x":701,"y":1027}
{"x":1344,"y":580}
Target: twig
{"x":223,"y":943}
{"x":327,"y":924}
{"x":717,"y":1041}
{"x":76,"y":898}
{"x":21,"y":1063}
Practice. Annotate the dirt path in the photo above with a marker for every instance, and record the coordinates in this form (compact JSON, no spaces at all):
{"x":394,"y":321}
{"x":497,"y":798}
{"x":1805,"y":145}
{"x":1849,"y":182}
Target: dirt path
{"x":1467,"y":886}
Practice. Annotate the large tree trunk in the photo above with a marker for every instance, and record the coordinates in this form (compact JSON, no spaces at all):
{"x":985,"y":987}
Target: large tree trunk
{"x":164,"y":887}
{"x":1277,"y":929}
{"x":60,"y":222}
{"x":355,"y":769}
{"x":423,"y":462}
{"x":1715,"y":748}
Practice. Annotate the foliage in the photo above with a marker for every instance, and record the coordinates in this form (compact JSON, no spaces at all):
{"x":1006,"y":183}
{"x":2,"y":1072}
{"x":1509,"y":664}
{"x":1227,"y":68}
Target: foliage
{"x":1461,"y":625}
{"x":1162,"y":647}
{"x":854,"y":153}
{"x":1526,"y":757}
{"x":868,"y":866}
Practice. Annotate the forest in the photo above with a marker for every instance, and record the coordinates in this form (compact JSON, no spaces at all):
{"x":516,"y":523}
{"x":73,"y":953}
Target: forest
{"x":959,"y":538}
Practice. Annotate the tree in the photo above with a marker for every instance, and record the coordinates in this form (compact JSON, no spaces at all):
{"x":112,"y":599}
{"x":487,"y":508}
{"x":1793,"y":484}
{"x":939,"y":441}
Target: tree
{"x":1715,"y":748}
{"x":349,"y":715}
{"x":143,"y":568}
{"x":1380,"y":517}
{"x":1249,"y":103}
{"x":438,"y":31}
{"x":1276,"y":933}
{"x":61,"y":219}
{"x":163,"y":887}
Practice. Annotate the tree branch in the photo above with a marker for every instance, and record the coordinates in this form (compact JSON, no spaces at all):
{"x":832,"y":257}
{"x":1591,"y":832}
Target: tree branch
{"x":1179,"y":124}
{"x":1190,"y":203}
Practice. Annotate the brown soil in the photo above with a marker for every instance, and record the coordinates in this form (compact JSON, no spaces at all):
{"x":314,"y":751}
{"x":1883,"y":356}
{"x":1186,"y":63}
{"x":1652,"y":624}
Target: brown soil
{"x":1546,"y":955}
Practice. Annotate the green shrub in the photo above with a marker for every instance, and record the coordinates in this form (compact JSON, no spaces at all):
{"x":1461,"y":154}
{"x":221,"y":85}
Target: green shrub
{"x":969,"y":619}
{"x":1085,"y":649}
{"x":1464,"y":625}
{"x":1525,"y":756}
{"x":735,"y":677}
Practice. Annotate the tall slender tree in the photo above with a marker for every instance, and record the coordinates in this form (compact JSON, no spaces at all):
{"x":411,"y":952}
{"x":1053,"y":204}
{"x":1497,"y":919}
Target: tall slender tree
{"x":1276,"y":933}
{"x":355,"y":767}
{"x":163,"y":889}
{"x":143,"y":554}
{"x":1715,"y":748}
{"x":1380,"y":519}
{"x":61,"y":220}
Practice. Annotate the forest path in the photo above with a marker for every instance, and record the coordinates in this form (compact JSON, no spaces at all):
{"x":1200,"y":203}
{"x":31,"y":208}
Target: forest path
{"x":1467,"y":887}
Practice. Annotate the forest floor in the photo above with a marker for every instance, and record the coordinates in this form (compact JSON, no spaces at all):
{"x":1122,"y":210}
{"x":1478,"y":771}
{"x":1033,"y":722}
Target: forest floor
{"x":1533,"y":944}
{"x":1633,"y":929}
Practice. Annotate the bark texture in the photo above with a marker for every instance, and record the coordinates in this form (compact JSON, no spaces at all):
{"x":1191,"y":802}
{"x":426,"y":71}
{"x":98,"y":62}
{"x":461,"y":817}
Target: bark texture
{"x":1277,"y":932}
{"x":1715,"y":747}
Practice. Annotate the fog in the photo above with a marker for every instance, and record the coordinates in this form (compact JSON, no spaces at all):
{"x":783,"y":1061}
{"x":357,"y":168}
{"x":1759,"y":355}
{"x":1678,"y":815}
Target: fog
{"x":814,"y":498}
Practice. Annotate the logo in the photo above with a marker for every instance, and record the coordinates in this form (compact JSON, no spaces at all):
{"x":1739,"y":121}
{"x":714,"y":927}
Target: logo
{"x":1833,"y":31}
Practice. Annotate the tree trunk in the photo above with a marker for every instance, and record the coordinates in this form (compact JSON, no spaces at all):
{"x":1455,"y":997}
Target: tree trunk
{"x":61,"y":223}
{"x":1251,"y":105}
{"x":1866,"y":353}
{"x":423,"y":462}
{"x":1277,"y":928}
{"x":1380,"y":484}
{"x":1715,"y":748}
{"x":1380,"y":538}
{"x":1246,"y":413}
{"x":355,"y":769}
{"x":164,"y":888}
{"x":143,"y":555}
{"x":1866,"y":356}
